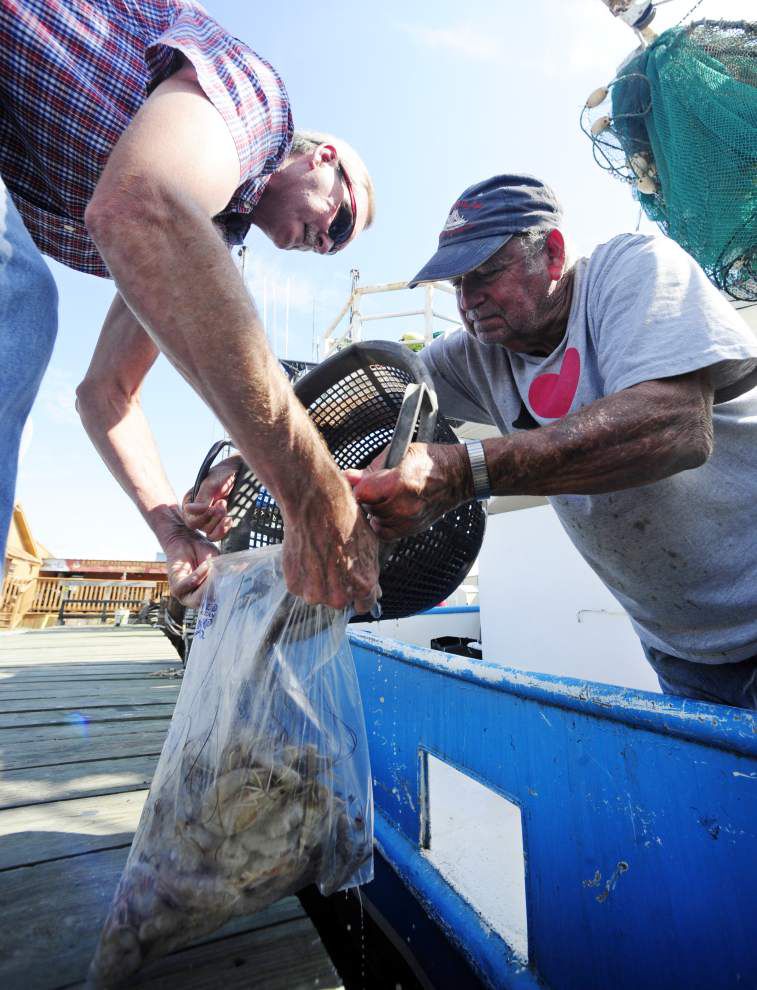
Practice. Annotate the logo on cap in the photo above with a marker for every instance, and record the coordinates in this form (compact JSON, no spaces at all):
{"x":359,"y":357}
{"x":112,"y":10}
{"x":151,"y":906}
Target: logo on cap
{"x":454,"y":220}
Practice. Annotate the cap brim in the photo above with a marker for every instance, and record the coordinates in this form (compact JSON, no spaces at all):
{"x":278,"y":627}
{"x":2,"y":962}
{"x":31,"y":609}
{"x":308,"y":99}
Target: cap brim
{"x":452,"y":260}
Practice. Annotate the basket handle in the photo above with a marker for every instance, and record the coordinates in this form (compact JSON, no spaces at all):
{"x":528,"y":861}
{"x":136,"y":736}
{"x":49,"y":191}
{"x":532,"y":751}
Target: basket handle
{"x":207,"y":464}
{"x":418,"y":407}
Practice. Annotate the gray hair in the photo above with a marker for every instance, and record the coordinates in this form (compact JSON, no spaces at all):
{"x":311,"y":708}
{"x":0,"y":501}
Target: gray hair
{"x":534,"y":242}
{"x":305,"y":141}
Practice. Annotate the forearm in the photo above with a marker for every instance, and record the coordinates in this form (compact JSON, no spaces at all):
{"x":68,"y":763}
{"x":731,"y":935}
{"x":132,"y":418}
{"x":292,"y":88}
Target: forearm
{"x":108,"y":404}
{"x":118,"y":429}
{"x":176,"y":274}
{"x":632,"y":438}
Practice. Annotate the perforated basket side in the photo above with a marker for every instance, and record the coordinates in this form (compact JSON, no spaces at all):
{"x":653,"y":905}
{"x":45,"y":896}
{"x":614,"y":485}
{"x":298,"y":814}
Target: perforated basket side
{"x":356,"y":416}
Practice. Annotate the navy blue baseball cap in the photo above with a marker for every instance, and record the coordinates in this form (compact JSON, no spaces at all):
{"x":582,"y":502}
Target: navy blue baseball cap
{"x":484,"y":218}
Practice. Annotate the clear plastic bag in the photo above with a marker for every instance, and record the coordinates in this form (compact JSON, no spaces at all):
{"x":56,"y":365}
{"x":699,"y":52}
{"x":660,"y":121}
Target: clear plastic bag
{"x":263,"y":785}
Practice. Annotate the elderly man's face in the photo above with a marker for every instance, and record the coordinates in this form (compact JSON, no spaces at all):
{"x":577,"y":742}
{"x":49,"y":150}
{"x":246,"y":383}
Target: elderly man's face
{"x":503,"y":302}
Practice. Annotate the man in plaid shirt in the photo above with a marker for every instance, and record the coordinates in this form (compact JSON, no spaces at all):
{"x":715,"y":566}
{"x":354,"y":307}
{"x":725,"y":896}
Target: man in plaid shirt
{"x":137,"y":141}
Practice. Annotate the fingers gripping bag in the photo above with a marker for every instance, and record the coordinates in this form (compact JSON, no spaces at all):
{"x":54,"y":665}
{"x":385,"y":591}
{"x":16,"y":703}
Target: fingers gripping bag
{"x":263,"y":785}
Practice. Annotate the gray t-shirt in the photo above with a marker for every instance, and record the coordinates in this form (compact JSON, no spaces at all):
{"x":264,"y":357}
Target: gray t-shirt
{"x":680,"y":554}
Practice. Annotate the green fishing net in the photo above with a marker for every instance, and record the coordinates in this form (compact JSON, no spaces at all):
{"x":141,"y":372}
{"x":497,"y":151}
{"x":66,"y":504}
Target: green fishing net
{"x":683,"y":130}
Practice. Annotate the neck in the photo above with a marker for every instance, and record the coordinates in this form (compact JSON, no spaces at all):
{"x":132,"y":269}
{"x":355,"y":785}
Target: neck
{"x":555,"y":315}
{"x":281,"y":185}
{"x":266,"y":206}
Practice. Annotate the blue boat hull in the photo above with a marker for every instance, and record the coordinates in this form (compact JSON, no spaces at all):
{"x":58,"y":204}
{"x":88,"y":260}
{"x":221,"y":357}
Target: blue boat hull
{"x":638,"y":811}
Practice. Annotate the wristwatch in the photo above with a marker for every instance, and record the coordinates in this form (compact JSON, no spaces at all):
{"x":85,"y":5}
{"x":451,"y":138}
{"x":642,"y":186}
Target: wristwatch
{"x":482,"y":488}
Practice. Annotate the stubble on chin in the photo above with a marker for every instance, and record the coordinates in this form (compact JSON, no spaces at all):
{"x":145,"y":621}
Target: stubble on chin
{"x":489,"y":334}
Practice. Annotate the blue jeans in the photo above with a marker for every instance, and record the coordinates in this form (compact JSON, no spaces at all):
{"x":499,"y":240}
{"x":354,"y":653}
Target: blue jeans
{"x":732,"y":684}
{"x":28,"y":324}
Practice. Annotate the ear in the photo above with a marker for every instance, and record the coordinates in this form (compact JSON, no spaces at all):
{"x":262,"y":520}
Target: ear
{"x":555,"y":248}
{"x":325,"y":154}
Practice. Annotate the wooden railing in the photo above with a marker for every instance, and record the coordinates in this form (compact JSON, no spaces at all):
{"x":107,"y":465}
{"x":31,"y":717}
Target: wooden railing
{"x":55,"y":595}
{"x":88,"y":597}
{"x":11,"y":594}
{"x":47,"y":595}
{"x":12,"y":588}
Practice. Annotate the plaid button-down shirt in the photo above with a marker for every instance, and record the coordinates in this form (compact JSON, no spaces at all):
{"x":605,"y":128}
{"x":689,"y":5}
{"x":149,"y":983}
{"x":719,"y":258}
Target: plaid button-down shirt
{"x":73,"y":73}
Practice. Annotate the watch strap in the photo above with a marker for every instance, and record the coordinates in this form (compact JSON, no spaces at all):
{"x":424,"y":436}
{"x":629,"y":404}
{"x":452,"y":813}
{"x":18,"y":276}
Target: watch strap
{"x":482,"y":488}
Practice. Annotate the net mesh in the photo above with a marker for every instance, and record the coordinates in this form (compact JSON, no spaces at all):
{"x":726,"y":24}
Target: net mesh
{"x":356,"y":417}
{"x":682,"y":128}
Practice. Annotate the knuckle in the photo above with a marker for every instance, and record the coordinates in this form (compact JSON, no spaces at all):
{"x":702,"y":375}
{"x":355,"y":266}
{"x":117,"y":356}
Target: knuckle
{"x":295,"y":587}
{"x":365,"y":588}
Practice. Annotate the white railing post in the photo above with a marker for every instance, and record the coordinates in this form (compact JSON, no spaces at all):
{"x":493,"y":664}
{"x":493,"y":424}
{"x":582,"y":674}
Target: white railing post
{"x":353,"y":330}
{"x":356,"y":322}
{"x":356,"y":318}
{"x":428,"y":313}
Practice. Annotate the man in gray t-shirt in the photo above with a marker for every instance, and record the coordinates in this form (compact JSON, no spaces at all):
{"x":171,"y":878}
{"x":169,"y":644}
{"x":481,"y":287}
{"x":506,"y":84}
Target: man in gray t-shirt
{"x":624,"y":387}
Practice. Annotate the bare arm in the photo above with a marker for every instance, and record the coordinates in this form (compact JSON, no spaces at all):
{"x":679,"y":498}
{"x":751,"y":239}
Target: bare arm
{"x":635,"y":437}
{"x":109,"y":405}
{"x":173,"y":169}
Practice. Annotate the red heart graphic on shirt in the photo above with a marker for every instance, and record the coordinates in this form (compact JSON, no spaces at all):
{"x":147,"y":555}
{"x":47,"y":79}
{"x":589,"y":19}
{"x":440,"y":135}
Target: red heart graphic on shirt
{"x":550,"y":396}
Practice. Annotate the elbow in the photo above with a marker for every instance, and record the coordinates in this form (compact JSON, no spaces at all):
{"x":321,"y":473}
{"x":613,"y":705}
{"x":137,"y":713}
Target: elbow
{"x":702,"y":451}
{"x":88,"y":401}
{"x":103,"y":218}
{"x":698,"y":444}
{"x":100,"y":404}
{"x":121,"y":216}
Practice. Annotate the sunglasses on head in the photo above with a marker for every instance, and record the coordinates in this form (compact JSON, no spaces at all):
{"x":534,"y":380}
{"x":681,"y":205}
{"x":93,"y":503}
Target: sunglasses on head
{"x":341,"y":227}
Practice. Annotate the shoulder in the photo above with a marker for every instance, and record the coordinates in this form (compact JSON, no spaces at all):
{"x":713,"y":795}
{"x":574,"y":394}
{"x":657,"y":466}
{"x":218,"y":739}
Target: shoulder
{"x":625,"y":251}
{"x":243,"y":87}
{"x":462,"y":379}
{"x":629,"y":254}
{"x":632,"y":266}
{"x":462,"y":359}
{"x":445,"y":347}
{"x":453,"y":353}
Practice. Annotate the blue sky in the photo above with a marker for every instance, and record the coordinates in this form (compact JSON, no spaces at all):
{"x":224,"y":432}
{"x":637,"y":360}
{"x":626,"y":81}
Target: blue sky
{"x":435,"y":96}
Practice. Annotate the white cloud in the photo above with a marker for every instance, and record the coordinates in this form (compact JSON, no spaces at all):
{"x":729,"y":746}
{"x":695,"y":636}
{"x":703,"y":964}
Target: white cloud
{"x":581,"y":41}
{"x":267,"y":282}
{"x":589,"y":39}
{"x":57,"y":397}
{"x":26,"y":439}
{"x":461,"y":40}
{"x":269,"y":285}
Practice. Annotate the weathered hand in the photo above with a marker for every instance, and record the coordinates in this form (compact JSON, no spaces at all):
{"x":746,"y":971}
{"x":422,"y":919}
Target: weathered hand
{"x":208,"y":511}
{"x":187,"y":558}
{"x":330,"y":552}
{"x":403,"y":501}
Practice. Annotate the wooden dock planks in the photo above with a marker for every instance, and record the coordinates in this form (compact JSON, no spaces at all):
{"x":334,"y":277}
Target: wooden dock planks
{"x":83,"y":714}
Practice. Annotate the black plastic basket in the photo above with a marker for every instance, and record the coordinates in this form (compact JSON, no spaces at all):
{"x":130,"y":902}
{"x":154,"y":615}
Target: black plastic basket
{"x":355,"y":398}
